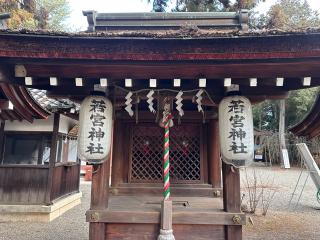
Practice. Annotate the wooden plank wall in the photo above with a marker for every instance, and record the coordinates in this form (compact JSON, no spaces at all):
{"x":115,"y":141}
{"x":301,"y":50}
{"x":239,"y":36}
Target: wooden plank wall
{"x":65,"y":180}
{"x":23,"y":184}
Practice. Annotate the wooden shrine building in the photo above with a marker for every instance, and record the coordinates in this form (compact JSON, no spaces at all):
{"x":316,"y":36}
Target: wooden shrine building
{"x":39,"y":169}
{"x":166,"y":53}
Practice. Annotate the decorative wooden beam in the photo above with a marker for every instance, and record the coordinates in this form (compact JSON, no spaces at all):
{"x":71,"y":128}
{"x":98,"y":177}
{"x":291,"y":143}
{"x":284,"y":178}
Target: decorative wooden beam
{"x":63,"y":92}
{"x":171,"y":70}
{"x":291,"y":46}
{"x":153,"y":217}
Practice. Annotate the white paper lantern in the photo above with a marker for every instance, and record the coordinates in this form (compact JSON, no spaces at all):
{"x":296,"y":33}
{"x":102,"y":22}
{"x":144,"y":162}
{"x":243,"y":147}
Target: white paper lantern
{"x":95,"y":129}
{"x":236,"y":131}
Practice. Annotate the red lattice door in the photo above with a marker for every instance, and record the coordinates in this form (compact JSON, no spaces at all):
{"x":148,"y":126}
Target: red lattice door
{"x":147,"y":153}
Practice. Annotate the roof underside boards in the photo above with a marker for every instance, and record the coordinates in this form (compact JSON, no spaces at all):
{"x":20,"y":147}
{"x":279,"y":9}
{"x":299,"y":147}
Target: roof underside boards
{"x":29,"y":104}
{"x":23,"y":107}
{"x":310,"y":125}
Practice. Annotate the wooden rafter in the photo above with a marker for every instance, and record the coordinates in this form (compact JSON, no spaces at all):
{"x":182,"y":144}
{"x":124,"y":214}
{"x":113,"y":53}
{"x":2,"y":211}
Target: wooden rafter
{"x":34,"y":106}
{"x":12,"y":95}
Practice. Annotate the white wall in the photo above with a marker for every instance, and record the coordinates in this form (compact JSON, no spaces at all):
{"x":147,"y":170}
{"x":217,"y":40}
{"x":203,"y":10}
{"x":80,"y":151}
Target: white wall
{"x":38,"y":125}
{"x":66,"y":124}
{"x":41,"y":125}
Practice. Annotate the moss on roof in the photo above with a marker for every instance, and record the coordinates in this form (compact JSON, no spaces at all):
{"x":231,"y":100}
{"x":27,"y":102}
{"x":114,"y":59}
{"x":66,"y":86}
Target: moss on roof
{"x":184,"y":32}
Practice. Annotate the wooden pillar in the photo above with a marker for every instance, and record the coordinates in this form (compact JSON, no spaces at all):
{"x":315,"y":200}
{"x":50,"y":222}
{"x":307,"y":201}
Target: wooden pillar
{"x":99,"y":197}
{"x":2,"y":141}
{"x":100,"y":194}
{"x":53,"y":156}
{"x":118,"y":154}
{"x":65,"y":151}
{"x":214,"y":154}
{"x":231,"y":198}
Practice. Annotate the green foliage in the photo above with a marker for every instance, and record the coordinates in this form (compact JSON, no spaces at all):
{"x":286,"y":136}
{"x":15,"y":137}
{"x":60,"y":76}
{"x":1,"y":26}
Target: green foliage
{"x":52,"y":14}
{"x":205,"y":5}
{"x":160,"y":5}
{"x":198,"y":6}
{"x":21,"y":18}
{"x":287,"y":15}
{"x":37,"y":14}
{"x":298,"y":104}
{"x":266,"y":115}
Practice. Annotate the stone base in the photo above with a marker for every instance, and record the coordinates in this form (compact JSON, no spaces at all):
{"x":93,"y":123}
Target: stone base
{"x":39,"y":213}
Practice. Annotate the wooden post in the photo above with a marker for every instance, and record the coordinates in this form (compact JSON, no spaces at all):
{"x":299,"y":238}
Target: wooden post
{"x":53,"y":155}
{"x":214,"y":154}
{"x":65,"y":152}
{"x":118,"y":152}
{"x":2,"y":141}
{"x":282,"y":136}
{"x":100,"y":195}
{"x":166,"y":216}
{"x":231,"y":198}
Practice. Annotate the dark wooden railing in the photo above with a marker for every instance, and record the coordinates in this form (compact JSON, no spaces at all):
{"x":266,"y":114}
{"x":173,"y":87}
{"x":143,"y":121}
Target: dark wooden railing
{"x":23,"y":184}
{"x":65,"y":179}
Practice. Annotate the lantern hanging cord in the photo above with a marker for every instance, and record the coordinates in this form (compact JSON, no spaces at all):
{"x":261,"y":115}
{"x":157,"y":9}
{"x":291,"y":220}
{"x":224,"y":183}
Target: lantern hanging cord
{"x":168,"y":90}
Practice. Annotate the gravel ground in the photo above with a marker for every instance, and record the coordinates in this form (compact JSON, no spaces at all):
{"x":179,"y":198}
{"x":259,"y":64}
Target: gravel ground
{"x":281,"y":222}
{"x":70,"y":226}
{"x":298,"y":222}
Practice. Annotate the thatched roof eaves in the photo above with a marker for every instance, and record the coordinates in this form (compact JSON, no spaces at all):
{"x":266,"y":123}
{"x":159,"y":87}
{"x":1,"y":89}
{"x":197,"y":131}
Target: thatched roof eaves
{"x":187,"y":32}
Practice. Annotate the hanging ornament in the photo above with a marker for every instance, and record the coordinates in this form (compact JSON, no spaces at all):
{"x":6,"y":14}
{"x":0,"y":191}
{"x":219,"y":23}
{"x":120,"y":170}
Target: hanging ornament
{"x":166,"y":110}
{"x":128,"y":104}
{"x":150,"y":101}
{"x":199,"y":100}
{"x":179,"y":103}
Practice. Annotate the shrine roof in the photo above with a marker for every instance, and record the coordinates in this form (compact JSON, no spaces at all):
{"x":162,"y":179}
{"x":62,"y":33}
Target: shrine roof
{"x":310,"y":125}
{"x":52,"y":104}
{"x":29,"y":104}
{"x":184,"y":32}
{"x":18,"y":104}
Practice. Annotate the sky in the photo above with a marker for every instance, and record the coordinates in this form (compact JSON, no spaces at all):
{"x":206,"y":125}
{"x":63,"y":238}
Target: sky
{"x":78,"y":22}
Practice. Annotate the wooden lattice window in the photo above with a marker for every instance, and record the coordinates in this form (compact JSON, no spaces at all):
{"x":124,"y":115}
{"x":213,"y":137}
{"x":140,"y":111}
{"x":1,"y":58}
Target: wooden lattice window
{"x":147,"y":153}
